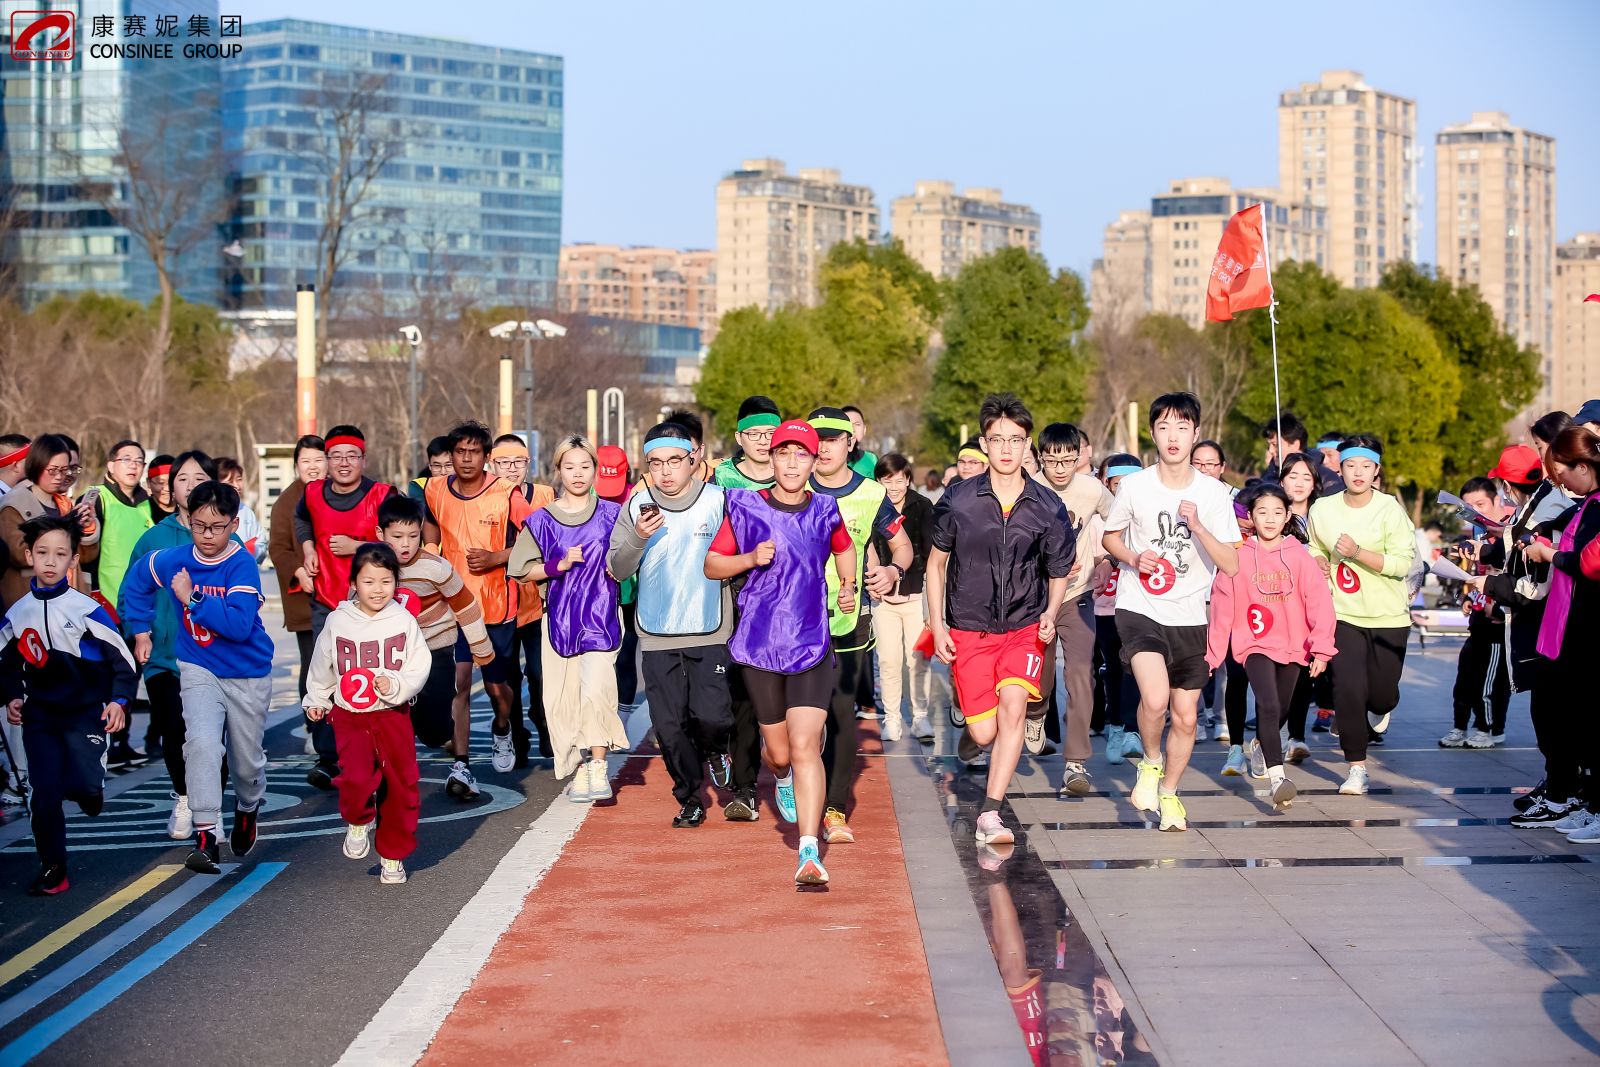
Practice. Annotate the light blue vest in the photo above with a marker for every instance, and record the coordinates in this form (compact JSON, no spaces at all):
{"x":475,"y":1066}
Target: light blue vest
{"x":676,"y":599}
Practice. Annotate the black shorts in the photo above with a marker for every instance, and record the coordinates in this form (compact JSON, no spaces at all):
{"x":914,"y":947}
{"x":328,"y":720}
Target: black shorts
{"x":1183,"y":647}
{"x":432,"y":715}
{"x":503,"y":636}
{"x":774,"y":694}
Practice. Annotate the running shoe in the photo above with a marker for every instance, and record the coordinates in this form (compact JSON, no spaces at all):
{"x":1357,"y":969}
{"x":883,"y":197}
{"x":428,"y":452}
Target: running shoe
{"x":1132,"y":744}
{"x":1201,"y":728}
{"x":992,"y":831}
{"x":957,"y":719}
{"x":866,"y":714}
{"x":785,"y":798}
{"x":1147,"y":786}
{"x":1480,"y":739}
{"x":692,"y":813}
{"x":1222,"y":736}
{"x":835,"y":830}
{"x":1379,"y":723}
{"x":243,"y":837}
{"x":1283,"y":793}
{"x":13,"y":798}
{"x":1114,"y":745}
{"x":1333,"y":726}
{"x":180,"y":824}
{"x":742,"y":808}
{"x":357,"y":841}
{"x":207,"y":852}
{"x":600,"y":781}
{"x":1454,"y":739}
{"x":52,"y":880}
{"x":1174,"y":816}
{"x":1587,"y":835}
{"x":504,"y":753}
{"x":721,"y":770}
{"x":1577,"y":818}
{"x":1076,"y":782}
{"x":1258,"y":759}
{"x":578,"y":788}
{"x":1324,"y":720}
{"x":1498,"y":739}
{"x":391,"y":872}
{"x":1544,"y":812}
{"x":460,"y":783}
{"x":122,"y":755}
{"x":1033,"y":736}
{"x":1234,"y":768}
{"x":893,"y":727}
{"x":810,"y":871}
{"x":1530,"y":798}
{"x":922,"y":729}
{"x":1297,"y":752}
{"x":321,"y":777}
{"x":1356,"y":784}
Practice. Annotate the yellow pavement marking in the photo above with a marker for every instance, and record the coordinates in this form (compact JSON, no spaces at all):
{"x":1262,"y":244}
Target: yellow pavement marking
{"x":60,"y":938}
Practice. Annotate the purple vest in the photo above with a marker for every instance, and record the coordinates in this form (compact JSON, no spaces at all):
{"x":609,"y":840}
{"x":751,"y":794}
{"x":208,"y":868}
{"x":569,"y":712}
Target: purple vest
{"x":783,"y":607}
{"x":580,"y":606}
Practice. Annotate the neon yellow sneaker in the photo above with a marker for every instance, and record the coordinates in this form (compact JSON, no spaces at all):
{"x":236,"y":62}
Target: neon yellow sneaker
{"x":1147,"y":786}
{"x":1173,"y":814}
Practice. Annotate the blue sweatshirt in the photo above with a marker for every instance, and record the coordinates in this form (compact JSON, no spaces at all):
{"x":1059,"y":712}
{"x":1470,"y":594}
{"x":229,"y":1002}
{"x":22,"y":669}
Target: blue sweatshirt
{"x":62,"y":651}
{"x":223,"y":632}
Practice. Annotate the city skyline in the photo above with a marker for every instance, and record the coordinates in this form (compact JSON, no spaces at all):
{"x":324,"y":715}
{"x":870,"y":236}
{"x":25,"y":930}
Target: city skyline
{"x":1020,"y":120}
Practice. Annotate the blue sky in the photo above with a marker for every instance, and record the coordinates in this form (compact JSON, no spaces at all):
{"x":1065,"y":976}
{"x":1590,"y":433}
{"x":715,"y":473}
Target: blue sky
{"x":1078,"y":110}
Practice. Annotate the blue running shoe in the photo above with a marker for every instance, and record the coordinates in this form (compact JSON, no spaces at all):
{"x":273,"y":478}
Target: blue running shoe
{"x":786,"y":802}
{"x":810,"y":871}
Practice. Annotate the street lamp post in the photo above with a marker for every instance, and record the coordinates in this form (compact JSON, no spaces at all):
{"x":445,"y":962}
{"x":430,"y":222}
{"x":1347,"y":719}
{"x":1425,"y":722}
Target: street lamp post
{"x":413,"y":338}
{"x":529,"y":332}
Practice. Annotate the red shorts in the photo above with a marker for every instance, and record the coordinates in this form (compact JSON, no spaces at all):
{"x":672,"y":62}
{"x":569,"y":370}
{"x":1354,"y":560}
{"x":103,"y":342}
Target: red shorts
{"x":986,"y":662}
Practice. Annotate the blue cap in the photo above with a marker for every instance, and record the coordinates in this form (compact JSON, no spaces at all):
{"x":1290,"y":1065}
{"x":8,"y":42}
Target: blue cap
{"x":1590,"y":412}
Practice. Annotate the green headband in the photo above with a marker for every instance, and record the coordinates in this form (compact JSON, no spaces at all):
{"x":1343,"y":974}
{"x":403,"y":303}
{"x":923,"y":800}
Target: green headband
{"x":841,"y":425}
{"x":760,"y":418}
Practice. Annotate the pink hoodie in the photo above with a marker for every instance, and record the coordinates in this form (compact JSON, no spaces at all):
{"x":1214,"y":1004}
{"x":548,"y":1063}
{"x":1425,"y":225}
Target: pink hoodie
{"x":1278,"y":605}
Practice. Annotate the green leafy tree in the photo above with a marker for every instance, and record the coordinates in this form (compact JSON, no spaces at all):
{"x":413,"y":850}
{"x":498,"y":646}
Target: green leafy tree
{"x":788,"y":357}
{"x":1498,"y":378}
{"x":1010,"y":326}
{"x":877,"y":324}
{"x":892,"y":258}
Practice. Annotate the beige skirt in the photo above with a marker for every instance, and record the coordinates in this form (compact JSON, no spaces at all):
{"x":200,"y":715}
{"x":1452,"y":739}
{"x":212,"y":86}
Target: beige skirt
{"x":580,"y":704}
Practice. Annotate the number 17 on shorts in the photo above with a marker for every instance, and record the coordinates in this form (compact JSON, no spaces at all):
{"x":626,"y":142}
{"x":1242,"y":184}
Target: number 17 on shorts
{"x":986,"y":663}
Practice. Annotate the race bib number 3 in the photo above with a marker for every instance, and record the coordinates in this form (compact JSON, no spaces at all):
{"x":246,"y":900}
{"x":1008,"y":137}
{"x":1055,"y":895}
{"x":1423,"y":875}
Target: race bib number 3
{"x":1259,"y":619}
{"x":1160,"y":582}
{"x":1345,"y":577}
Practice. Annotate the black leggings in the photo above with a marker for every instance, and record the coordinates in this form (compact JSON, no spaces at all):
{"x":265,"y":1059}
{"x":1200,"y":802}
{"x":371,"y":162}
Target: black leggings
{"x":1367,"y":679}
{"x":1121,"y":695}
{"x":166,"y":710}
{"x":1236,"y":701}
{"x":839,"y":748}
{"x":1273,"y":684}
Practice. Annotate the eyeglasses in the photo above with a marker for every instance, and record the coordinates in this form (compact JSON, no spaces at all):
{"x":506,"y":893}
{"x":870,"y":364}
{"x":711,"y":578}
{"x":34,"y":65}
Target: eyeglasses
{"x":63,"y":472}
{"x":344,"y":457}
{"x":1208,"y":465}
{"x":672,"y":463}
{"x":1060,"y":462}
{"x":1007,"y":443}
{"x":757,"y":437}
{"x":130,"y":461}
{"x":210,"y":529}
{"x":513,"y":464}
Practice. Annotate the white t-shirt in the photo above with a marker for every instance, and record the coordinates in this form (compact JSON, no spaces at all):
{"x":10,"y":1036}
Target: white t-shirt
{"x":1146,"y":512}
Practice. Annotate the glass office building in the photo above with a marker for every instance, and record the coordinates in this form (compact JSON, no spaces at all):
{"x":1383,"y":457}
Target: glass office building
{"x":466,"y":206}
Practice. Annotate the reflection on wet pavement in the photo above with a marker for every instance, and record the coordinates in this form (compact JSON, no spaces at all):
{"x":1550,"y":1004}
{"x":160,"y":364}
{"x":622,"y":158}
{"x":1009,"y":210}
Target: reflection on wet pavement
{"x":1068,"y":1008}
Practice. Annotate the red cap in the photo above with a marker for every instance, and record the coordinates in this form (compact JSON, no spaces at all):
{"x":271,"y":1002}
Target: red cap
{"x":1519,"y":464}
{"x":612,"y":480}
{"x":795,"y":432}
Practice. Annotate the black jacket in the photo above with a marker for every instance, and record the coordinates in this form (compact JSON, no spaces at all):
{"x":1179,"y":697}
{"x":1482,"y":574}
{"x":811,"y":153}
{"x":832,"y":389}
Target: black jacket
{"x":1000,"y":567}
{"x":917,"y":522}
{"x":1526,"y":615}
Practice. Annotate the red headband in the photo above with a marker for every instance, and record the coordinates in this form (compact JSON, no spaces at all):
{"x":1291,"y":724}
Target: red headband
{"x":157,"y":472}
{"x":346,"y":439}
{"x":14,"y":457}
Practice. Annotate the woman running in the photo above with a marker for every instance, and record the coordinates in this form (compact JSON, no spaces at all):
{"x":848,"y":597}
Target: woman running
{"x":1302,"y":482}
{"x":783,"y":537}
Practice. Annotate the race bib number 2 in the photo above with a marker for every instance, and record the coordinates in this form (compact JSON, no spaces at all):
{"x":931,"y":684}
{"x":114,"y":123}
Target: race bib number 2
{"x":1162,"y":581}
{"x":1345,"y":577}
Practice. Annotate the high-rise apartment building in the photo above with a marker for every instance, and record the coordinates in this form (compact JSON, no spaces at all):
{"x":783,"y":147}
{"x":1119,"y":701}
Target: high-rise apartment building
{"x":1496,"y":202}
{"x":1572,"y":366}
{"x":1352,"y":150}
{"x":774,"y":230}
{"x":466,"y":207}
{"x":942,"y":229}
{"x":657,"y":285}
{"x":1119,"y":281}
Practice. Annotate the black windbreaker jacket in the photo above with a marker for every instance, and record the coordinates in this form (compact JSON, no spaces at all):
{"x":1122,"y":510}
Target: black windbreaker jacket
{"x":1000,"y":567}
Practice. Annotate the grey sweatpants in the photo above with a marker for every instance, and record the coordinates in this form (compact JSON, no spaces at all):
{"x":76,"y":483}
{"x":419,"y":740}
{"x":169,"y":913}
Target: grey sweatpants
{"x":218,"y":713}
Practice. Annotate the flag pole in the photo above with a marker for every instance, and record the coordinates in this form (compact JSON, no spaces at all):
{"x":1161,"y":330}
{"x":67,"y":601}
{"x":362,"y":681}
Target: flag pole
{"x":1272,"y":318}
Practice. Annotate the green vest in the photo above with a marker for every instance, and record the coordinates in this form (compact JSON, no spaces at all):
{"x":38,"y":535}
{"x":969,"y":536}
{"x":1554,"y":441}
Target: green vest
{"x":728,"y":475}
{"x":866,"y":465}
{"x":858,"y":510}
{"x":121,"y":527}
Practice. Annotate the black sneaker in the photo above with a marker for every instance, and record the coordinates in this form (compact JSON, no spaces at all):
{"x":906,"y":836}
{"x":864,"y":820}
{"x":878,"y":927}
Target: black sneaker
{"x":207,"y":852}
{"x":1542,"y":813}
{"x":1531,"y":797}
{"x":742,"y":808}
{"x":52,"y":880}
{"x":1374,"y":738}
{"x":693,"y":813}
{"x":243,"y":838}
{"x":721,"y":769}
{"x":321,"y":776}
{"x":91,"y":804}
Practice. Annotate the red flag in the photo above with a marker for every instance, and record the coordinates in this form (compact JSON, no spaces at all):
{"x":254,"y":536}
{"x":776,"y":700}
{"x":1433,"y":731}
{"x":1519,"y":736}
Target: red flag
{"x":1592,"y":296}
{"x":1239,"y":275}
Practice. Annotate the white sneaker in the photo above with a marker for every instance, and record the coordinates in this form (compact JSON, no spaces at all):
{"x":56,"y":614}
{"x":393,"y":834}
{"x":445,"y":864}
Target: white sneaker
{"x":1221,"y":736}
{"x":1576,"y":819}
{"x":1379,"y":723}
{"x":1234,"y":768}
{"x":1199,"y":728}
{"x":1453,"y":739}
{"x":893,"y":727}
{"x":1296,"y":752}
{"x":358,"y":841}
{"x":1258,"y":759}
{"x":1033,"y":736}
{"x":599,"y":781}
{"x":1356,"y":784}
{"x":180,"y":824}
{"x":460,"y":783}
{"x":1588,"y":835}
{"x":1480,"y":739}
{"x":1283,"y":793}
{"x":504,"y":756}
{"x":578,"y":788}
{"x":921,"y":728}
{"x":391,"y":872}
{"x":1498,"y":739}
{"x":866,"y":714}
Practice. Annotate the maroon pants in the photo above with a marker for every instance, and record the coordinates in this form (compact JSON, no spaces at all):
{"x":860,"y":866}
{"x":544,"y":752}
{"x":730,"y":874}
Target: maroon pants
{"x":377,"y":748}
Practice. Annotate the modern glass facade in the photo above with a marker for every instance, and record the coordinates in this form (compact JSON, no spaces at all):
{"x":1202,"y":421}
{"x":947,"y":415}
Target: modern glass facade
{"x":467,"y":207}
{"x":65,"y":123}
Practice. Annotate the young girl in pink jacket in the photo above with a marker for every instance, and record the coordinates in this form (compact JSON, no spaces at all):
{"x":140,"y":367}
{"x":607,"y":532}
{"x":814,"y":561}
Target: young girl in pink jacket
{"x":1278,"y":611}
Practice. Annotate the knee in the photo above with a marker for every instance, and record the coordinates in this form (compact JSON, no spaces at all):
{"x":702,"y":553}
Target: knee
{"x":984,"y":730}
{"x":1183,"y":719}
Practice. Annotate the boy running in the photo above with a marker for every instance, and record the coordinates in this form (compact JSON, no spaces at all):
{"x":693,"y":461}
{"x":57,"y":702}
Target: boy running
{"x":1170,"y":530}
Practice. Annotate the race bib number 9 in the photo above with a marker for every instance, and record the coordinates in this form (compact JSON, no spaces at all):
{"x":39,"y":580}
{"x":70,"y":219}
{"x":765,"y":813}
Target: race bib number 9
{"x":359,"y":690}
{"x":1345,"y":577}
{"x":1259,"y":619}
{"x":1162,"y":581}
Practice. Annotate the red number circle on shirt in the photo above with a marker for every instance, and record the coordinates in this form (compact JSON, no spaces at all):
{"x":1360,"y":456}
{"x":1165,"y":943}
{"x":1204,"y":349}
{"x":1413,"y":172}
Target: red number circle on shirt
{"x":1111,"y":584}
{"x":1345,"y":577}
{"x":1259,"y":619}
{"x":201,"y":636}
{"x":408,"y":599}
{"x":1162,"y":581}
{"x":359,"y":689}
{"x":32,"y":648}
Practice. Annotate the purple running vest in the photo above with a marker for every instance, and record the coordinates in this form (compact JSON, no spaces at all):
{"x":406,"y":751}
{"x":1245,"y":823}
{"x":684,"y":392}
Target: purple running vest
{"x":783,"y":607}
{"x":580,"y":606}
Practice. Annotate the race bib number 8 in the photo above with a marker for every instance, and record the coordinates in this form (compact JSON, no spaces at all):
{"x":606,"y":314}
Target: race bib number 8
{"x":1162,"y":581}
{"x":1345,"y":577}
{"x":1259,"y":619}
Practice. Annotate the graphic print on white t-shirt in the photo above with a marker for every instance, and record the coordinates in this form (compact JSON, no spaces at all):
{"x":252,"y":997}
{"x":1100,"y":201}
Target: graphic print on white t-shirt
{"x":1146,"y":512}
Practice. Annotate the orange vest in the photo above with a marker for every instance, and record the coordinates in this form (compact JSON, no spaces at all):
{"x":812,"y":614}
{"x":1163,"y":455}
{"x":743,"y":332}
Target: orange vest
{"x":484,"y":521}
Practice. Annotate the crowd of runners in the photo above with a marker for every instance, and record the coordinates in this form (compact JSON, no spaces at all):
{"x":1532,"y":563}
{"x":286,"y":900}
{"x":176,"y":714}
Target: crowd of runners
{"x":772,"y":601}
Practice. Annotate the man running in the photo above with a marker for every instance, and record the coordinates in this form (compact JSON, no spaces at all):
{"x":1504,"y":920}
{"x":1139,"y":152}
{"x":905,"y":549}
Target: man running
{"x":995,"y":582}
{"x":509,"y":459}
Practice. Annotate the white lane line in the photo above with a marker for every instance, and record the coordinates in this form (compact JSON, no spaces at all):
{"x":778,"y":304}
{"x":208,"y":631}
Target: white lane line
{"x":403,"y":1028}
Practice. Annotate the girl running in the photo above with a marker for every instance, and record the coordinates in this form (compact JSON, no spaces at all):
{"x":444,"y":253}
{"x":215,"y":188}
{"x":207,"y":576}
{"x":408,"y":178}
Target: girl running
{"x":1279,"y":614}
{"x":1302,"y":481}
{"x":1364,"y":542}
{"x":783,"y":537}
{"x":370,"y":662}
{"x":582,"y":631}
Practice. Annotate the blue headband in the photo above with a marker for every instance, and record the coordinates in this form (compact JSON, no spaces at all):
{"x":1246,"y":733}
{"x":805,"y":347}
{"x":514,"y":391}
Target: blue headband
{"x":667,"y":442}
{"x":1358,"y":452}
{"x":1120,"y":472}
{"x":1327,"y":442}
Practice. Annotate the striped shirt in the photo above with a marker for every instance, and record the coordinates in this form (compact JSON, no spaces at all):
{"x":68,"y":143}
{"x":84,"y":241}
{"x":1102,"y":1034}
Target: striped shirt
{"x":443,"y":602}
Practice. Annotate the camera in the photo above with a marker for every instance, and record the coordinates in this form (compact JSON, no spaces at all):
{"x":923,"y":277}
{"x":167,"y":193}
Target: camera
{"x":412,"y":335}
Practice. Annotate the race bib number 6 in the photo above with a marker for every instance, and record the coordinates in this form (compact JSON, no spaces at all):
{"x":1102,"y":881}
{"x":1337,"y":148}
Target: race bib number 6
{"x":1345,"y":577}
{"x":1162,"y":581}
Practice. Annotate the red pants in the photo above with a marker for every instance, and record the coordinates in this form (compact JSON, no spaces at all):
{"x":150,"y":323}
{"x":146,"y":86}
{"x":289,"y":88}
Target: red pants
{"x":377,"y":748}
